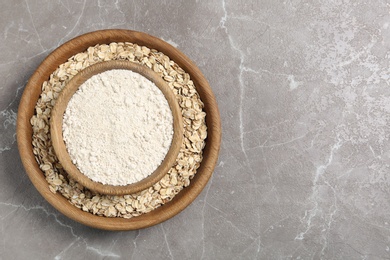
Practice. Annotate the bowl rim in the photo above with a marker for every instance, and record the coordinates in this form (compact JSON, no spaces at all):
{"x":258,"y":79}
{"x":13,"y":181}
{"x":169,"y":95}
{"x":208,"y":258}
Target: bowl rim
{"x":32,"y":92}
{"x":56,"y":131}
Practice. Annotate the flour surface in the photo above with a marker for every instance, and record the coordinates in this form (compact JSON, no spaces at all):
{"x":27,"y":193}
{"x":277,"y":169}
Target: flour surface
{"x":118,"y":127}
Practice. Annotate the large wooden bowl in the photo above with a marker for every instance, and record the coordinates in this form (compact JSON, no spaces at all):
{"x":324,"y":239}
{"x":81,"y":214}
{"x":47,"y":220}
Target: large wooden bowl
{"x":31,"y":95}
{"x":59,"y":145}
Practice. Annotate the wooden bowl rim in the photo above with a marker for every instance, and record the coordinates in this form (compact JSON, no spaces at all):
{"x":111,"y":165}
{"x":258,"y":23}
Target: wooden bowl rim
{"x":33,"y":90}
{"x":59,"y":145}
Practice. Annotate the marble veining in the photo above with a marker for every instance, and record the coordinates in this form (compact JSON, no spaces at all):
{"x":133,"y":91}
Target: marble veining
{"x":303,"y":91}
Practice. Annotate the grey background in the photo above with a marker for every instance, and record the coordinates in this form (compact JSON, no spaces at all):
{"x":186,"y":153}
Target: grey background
{"x":303,"y":90}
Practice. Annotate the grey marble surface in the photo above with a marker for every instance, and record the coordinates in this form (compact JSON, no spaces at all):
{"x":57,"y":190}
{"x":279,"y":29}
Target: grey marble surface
{"x":304,"y":93}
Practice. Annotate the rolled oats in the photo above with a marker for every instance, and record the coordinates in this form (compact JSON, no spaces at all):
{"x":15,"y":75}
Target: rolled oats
{"x":178,"y":177}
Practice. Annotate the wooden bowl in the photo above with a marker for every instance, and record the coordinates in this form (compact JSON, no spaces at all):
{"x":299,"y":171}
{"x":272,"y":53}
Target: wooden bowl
{"x":26,"y":111}
{"x":59,"y":145}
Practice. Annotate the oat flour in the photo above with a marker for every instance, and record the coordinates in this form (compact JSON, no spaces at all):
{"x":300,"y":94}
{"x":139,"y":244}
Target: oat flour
{"x":118,"y":127}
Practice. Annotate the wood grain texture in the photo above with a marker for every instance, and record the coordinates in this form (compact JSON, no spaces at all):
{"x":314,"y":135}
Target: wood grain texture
{"x":30,"y":97}
{"x":56,"y":122}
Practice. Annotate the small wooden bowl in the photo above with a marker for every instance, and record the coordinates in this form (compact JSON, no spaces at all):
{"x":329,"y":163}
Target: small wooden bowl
{"x":59,"y":145}
{"x":27,"y":109}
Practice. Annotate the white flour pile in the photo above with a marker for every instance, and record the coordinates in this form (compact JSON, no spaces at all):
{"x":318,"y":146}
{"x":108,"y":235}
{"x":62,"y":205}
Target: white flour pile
{"x":118,"y":127}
